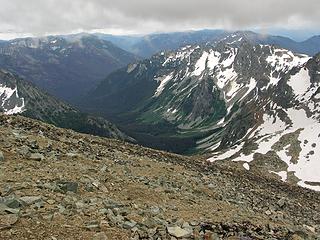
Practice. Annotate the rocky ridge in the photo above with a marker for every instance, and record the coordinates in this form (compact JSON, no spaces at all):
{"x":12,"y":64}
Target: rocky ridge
{"x":59,"y":184}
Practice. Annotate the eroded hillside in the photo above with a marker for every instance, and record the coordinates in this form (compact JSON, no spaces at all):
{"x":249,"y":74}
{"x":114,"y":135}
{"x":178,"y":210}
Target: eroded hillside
{"x":58,"y":184}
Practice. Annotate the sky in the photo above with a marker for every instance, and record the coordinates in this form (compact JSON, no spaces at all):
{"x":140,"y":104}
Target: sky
{"x":20,"y":18}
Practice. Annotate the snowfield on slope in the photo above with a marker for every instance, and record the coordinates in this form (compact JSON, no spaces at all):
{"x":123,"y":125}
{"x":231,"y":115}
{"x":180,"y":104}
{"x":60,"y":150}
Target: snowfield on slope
{"x":10,"y":102}
{"x":273,"y":131}
{"x":225,"y":68}
{"x":307,"y":167}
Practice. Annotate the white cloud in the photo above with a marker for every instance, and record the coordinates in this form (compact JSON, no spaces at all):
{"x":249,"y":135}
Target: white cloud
{"x":39,"y":17}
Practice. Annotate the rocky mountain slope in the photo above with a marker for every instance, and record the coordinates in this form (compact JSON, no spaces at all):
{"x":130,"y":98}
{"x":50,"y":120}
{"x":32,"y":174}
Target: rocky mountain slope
{"x":259,"y":100}
{"x":64,"y":66}
{"x":17,"y":96}
{"x":58,"y":184}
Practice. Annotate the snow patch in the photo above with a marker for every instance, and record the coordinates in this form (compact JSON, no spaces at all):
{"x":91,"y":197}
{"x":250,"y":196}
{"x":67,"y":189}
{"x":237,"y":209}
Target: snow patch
{"x":282,"y":174}
{"x":201,"y":64}
{"x":300,"y":82}
{"x":246,"y":166}
{"x":6,"y":95}
{"x":213,"y":59}
{"x":163,"y":81}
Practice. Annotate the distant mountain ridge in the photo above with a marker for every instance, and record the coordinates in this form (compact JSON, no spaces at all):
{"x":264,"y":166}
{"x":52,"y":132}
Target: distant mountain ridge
{"x":148,"y":45}
{"x":65,"y":67}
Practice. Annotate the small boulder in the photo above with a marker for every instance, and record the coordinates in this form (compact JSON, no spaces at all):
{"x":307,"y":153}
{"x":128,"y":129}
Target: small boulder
{"x":281,"y":203}
{"x":36,"y":156}
{"x":1,"y":157}
{"x":29,"y":200}
{"x":6,"y":221}
{"x":92,"y":225}
{"x":129,"y":224}
{"x":178,"y":232}
{"x":66,"y":186}
{"x":12,"y":203}
{"x":100,"y":236}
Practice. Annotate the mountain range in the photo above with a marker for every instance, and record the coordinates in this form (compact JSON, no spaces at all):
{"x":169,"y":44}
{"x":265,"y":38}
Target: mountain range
{"x":242,"y":109}
{"x":239,"y":97}
{"x":231,"y":99}
{"x":65,"y":67}
{"x":68,"y":66}
{"x":147,"y":45}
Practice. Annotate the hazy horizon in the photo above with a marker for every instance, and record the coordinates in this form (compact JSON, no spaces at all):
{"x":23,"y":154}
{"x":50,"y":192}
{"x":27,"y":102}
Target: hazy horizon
{"x":296,"y":35}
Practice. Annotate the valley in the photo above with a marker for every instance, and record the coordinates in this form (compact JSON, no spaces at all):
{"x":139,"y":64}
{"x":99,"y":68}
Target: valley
{"x":204,"y":134}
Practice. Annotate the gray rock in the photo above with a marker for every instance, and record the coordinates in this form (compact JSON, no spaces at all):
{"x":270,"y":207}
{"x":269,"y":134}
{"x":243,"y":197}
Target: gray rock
{"x":4,"y":209}
{"x":72,"y":155}
{"x":89,"y":187}
{"x":178,"y":232}
{"x":268,"y":212}
{"x":39,"y":204}
{"x":36,"y":156}
{"x":281,"y":203}
{"x":92,"y":225}
{"x":23,"y":150}
{"x":12,"y":203}
{"x":1,"y":157}
{"x":100,"y":236}
{"x":7,"y":221}
{"x":29,"y":200}
{"x":114,"y":219}
{"x":129,"y":224}
{"x":110,"y":204}
{"x":66,"y":186}
{"x":154,"y":210}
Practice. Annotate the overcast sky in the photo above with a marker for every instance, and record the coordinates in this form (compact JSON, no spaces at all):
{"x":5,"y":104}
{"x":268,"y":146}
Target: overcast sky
{"x":43,"y":17}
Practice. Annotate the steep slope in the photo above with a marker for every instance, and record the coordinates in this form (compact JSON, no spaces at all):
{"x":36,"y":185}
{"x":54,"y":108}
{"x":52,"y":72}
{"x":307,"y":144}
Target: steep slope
{"x":17,"y":96}
{"x":64,"y":66}
{"x":56,"y":183}
{"x":284,"y":134}
{"x":194,"y":89}
{"x":253,"y":103}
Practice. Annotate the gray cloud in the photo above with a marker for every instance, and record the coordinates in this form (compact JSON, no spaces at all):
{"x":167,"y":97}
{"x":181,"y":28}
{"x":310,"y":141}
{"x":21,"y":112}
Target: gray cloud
{"x":41,"y":17}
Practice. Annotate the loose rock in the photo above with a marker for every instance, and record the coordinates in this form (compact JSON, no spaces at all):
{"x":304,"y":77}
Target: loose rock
{"x":178,"y":232}
{"x":36,"y":156}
